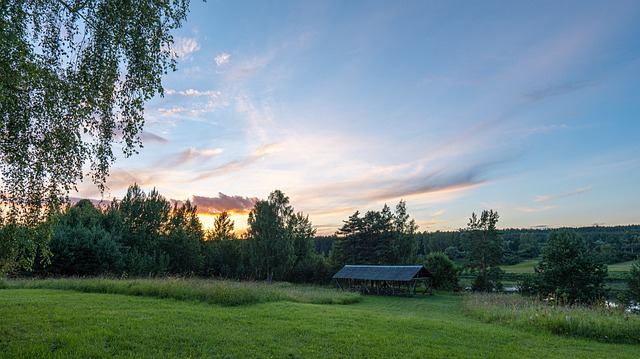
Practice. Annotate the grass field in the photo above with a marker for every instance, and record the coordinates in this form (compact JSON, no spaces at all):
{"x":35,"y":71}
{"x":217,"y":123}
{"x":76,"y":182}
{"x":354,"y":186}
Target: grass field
{"x":600,"y":322}
{"x":522,"y":267}
{"x":48,"y":323}
{"x":222,"y":292}
{"x":623,"y":267}
{"x":528,"y":265}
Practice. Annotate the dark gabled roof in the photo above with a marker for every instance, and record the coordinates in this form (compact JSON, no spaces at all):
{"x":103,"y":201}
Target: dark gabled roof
{"x":397,"y":273}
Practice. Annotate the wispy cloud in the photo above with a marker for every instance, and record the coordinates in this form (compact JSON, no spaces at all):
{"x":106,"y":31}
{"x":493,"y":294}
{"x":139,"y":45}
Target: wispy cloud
{"x":148,"y":137}
{"x":448,"y":178}
{"x":552,"y":197}
{"x":239,"y":164}
{"x":370,"y":188}
{"x":259,"y":117}
{"x":203,"y":101}
{"x":184,"y":47}
{"x":249,"y":68}
{"x":543,"y":93}
{"x":332,"y":211}
{"x":205,"y":153}
{"x":427,"y":224}
{"x":222,"y":59}
{"x":200,"y":93}
{"x":171,"y":112}
{"x":207,"y":107}
{"x":535,"y":209}
{"x":270,"y":148}
{"x":118,"y":181}
{"x":427,"y":185}
{"x":437,"y":213}
{"x":541,"y":129}
{"x":191,"y":154}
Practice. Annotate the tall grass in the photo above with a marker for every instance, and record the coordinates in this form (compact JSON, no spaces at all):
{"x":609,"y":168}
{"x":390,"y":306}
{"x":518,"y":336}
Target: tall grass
{"x":606,"y":324}
{"x":222,"y":292}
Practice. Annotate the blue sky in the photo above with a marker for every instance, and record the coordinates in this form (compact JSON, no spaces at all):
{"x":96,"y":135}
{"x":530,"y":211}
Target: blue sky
{"x":528,"y":108}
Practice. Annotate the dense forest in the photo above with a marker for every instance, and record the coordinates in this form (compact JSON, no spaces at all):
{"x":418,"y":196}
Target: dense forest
{"x":145,"y":235}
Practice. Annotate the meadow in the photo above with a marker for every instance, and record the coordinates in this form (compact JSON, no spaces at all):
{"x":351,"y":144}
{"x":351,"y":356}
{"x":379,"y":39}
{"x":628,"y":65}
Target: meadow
{"x":86,"y":320}
{"x":622,"y":267}
{"x":222,"y":292}
{"x":527,"y":266}
{"x":524,"y":267}
{"x":616,"y":274}
{"x":602,"y":322}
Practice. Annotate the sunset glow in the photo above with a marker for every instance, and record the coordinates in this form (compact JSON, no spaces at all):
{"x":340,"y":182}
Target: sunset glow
{"x":239,"y":219}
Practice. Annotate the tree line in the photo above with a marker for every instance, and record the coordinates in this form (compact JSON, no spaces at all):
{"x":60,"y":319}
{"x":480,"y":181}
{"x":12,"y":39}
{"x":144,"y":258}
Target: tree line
{"x":143,"y":234}
{"x":613,"y":244}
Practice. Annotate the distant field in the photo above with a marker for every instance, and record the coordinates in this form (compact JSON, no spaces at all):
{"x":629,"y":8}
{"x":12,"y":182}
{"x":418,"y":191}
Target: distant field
{"x":47,"y":323}
{"x":527,"y":267}
{"x":621,"y":267}
{"x":522,"y":267}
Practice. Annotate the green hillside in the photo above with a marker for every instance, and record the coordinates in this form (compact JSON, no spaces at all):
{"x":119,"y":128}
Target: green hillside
{"x":48,"y":323}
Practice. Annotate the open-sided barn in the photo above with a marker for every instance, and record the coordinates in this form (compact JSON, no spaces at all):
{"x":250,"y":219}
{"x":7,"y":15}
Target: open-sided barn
{"x":382,"y":279}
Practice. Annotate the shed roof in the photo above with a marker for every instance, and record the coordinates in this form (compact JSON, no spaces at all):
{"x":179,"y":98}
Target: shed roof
{"x":397,"y":273}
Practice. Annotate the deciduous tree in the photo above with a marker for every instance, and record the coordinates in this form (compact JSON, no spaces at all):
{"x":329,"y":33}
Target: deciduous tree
{"x":183,"y":240}
{"x":74,"y":78}
{"x":445,"y":275}
{"x":271,"y":252}
{"x":144,"y":219}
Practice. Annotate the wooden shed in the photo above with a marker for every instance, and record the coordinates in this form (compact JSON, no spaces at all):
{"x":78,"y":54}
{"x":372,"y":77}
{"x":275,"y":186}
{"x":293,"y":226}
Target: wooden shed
{"x":369,"y":279}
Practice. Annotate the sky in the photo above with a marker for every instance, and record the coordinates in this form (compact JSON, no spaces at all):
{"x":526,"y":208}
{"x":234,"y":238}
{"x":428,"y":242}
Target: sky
{"x":529,"y":108}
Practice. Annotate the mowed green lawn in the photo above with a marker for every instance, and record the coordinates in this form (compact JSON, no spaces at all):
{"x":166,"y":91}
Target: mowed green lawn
{"x":45,"y":323}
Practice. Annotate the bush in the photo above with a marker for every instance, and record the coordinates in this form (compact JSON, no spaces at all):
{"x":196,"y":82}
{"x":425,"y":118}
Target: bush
{"x":452,"y":252}
{"x":84,"y":251}
{"x":490,"y":283}
{"x":445,"y":275}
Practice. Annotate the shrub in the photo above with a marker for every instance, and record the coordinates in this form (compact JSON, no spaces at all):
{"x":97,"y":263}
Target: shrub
{"x":445,"y":275}
{"x":490,"y":283}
